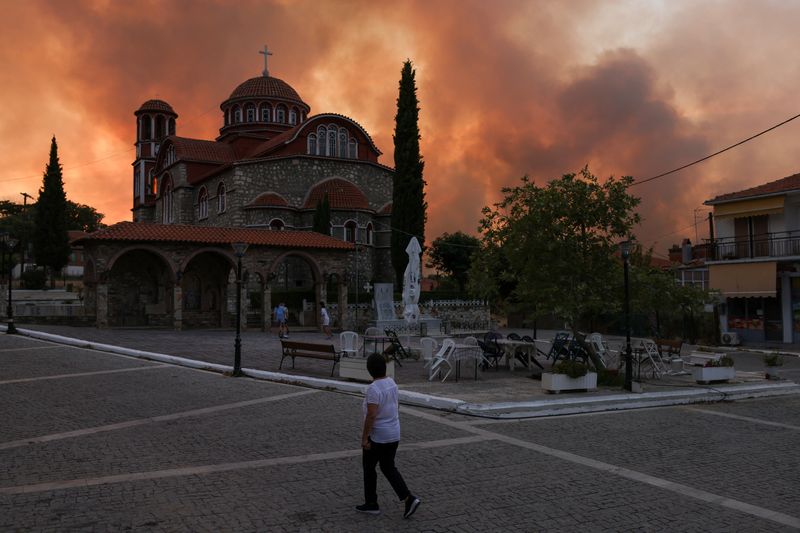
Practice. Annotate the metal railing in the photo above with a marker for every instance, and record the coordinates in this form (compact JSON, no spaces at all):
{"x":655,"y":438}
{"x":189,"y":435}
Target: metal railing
{"x":778,"y":244}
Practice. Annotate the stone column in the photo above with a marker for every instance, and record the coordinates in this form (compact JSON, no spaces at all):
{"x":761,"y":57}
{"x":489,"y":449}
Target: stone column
{"x":344,"y":314}
{"x":266,"y":308}
{"x":322,"y":296}
{"x":177,"y":306}
{"x":102,"y":305}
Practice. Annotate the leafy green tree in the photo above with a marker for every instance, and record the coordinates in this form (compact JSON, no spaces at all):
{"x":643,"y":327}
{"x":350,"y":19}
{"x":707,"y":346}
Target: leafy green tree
{"x":408,"y":194}
{"x":451,"y":254}
{"x":50,"y":241}
{"x":322,"y":216}
{"x":552,"y":247}
{"x":83,"y":217}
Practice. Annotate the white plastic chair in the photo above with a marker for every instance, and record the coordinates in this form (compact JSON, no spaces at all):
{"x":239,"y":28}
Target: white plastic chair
{"x":348,"y":342}
{"x":427,"y":346}
{"x":442,"y":359}
{"x":371,"y":332}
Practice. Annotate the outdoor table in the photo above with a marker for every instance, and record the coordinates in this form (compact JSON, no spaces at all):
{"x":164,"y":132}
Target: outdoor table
{"x":528,"y":348}
{"x":465,"y":351}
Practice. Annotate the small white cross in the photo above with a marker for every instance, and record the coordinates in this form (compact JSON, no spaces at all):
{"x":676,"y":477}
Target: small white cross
{"x":368,"y":287}
{"x":266,"y":53}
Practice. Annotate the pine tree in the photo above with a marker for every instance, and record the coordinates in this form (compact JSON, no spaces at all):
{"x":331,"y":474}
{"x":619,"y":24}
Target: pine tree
{"x":322,"y":216}
{"x":50,"y":240}
{"x":408,"y":194}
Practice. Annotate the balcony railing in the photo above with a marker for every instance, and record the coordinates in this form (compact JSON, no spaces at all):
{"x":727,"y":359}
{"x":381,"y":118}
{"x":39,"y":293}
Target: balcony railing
{"x":779,"y":244}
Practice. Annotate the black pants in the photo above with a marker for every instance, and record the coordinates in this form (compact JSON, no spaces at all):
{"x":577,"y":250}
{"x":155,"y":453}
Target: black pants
{"x":383,"y":454}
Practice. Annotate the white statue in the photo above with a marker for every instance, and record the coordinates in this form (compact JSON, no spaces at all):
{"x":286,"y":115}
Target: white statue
{"x":411,"y":279}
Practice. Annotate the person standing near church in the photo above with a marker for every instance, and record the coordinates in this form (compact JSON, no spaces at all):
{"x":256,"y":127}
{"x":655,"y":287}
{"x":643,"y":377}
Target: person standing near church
{"x":380,"y":437}
{"x":326,"y":320}
{"x":281,"y":316}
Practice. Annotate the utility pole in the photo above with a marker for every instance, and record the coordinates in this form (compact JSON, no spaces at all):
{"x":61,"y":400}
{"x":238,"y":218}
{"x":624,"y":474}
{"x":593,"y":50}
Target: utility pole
{"x":23,"y":244}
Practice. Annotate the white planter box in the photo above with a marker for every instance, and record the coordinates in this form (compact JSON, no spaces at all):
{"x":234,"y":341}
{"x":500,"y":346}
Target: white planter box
{"x":356,"y":368}
{"x":705,"y":374}
{"x":773,"y":372}
{"x":562,"y":382}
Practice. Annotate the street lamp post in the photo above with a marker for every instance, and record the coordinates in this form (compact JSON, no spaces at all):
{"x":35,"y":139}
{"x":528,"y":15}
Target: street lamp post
{"x":10,"y":242}
{"x":625,"y":250}
{"x":239,"y":248}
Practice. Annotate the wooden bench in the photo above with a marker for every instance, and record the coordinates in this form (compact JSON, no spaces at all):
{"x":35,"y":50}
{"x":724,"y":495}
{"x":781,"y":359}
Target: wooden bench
{"x":669,"y":347}
{"x":309,"y":349}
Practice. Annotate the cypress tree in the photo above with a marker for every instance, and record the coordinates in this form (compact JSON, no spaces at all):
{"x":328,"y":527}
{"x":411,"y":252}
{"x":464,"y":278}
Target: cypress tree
{"x":322,"y":216}
{"x":408,"y":194}
{"x":50,"y":240}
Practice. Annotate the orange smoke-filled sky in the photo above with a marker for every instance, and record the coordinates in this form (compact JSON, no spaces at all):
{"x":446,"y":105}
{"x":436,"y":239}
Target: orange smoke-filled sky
{"x":506,"y":88}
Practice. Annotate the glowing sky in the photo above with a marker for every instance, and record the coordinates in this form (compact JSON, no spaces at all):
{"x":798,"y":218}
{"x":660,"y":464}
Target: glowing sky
{"x":506,"y":88}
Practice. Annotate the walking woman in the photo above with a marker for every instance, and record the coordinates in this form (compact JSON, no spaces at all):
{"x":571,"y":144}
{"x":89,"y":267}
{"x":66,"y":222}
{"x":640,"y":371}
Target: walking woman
{"x":380,"y":438}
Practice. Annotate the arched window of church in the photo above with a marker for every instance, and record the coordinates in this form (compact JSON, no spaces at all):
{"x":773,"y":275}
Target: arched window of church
{"x":251,"y":113}
{"x":221,"y":198}
{"x":237,"y":114}
{"x":202,"y":203}
{"x":276,"y":224}
{"x":167,"y":214}
{"x":369,"y":234}
{"x":152,"y":183}
{"x":350,"y":231}
{"x":331,"y":143}
{"x":343,"y":143}
{"x":322,"y":134}
{"x":293,"y":117}
{"x":227,"y":116}
{"x":147,"y":128}
{"x":280,"y":114}
{"x":353,"y":149}
{"x":136,"y":182}
{"x":171,"y":126}
{"x":265,"y":113}
{"x":312,"y":144}
{"x":160,"y":127}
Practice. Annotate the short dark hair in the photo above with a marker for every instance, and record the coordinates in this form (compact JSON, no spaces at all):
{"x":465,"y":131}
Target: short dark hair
{"x":376,"y":365}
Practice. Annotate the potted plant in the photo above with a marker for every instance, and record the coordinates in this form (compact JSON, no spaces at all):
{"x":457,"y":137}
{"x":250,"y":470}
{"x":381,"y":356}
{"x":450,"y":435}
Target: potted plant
{"x":773,"y":363}
{"x":569,"y":375}
{"x":715,"y":370}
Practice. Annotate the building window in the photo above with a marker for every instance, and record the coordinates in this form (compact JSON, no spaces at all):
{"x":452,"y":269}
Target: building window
{"x":265,"y":113}
{"x":237,"y":114}
{"x":312,"y":144}
{"x":167,"y":214}
{"x":202,"y":201}
{"x":276,"y":224}
{"x":293,"y":117}
{"x":353,"y":149}
{"x":332,"y":144}
{"x":172,"y":126}
{"x":280,"y":114}
{"x":136,"y":182}
{"x":342,"y":143}
{"x":147,"y":128}
{"x":221,"y":198}
{"x":368,"y":240}
{"x":251,"y":113}
{"x":350,"y":231}
{"x":322,"y":134}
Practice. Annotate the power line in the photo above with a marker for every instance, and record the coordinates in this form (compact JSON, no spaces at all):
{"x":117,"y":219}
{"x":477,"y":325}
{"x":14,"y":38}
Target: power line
{"x":639,"y":182}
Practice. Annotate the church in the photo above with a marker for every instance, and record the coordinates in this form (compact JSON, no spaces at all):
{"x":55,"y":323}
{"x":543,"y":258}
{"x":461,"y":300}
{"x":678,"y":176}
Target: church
{"x":202,"y":207}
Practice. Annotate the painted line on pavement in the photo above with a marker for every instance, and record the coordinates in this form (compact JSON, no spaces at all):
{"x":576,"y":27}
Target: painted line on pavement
{"x":29,"y":348}
{"x":223,"y":467}
{"x":661,"y":483}
{"x":83,"y":374}
{"x":150,"y":420}
{"x":744,"y":418}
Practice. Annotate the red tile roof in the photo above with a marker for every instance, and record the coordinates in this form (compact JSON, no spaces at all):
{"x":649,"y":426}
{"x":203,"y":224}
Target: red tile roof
{"x":342,"y":194}
{"x":386,"y":209}
{"x":265,"y":87}
{"x":137,"y":232}
{"x":156,"y":105}
{"x":200,"y":150}
{"x":74,"y":234}
{"x":269,"y":199}
{"x":789,"y":183}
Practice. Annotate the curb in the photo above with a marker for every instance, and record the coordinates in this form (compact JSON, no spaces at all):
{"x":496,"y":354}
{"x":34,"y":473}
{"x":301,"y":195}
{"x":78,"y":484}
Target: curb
{"x":500,"y":410}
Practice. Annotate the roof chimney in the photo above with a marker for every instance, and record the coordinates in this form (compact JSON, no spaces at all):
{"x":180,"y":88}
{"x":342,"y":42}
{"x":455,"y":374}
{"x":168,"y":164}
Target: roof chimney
{"x":686,"y":247}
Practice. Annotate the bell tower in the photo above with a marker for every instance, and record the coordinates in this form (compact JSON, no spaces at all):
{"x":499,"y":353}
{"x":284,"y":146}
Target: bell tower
{"x":155,"y":120}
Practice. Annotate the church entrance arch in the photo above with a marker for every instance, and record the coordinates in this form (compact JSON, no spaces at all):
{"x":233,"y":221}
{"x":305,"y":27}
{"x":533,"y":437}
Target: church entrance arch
{"x":204,"y":286}
{"x":140,"y":290}
{"x":294,"y":284}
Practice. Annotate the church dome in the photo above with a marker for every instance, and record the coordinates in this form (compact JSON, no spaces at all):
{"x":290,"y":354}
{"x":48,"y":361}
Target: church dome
{"x":342,"y":194}
{"x":265,"y":87}
{"x":157,"y":106}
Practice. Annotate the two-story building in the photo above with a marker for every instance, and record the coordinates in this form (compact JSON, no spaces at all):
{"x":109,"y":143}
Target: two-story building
{"x":754,"y":260}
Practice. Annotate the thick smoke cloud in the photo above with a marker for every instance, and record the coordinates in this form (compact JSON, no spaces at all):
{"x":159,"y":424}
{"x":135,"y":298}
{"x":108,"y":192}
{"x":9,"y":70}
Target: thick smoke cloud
{"x":506,"y":89}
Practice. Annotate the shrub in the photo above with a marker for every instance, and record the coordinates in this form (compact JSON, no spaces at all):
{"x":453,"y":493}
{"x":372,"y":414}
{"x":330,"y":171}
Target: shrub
{"x":573,"y":369}
{"x":725,"y":360}
{"x":773,"y":359}
{"x":34,"y":279}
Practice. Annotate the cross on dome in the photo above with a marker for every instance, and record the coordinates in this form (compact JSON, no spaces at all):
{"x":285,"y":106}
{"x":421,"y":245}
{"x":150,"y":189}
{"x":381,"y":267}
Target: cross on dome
{"x":266,"y":53}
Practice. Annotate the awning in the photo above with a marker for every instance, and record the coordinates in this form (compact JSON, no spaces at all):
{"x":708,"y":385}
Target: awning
{"x":750,"y":208}
{"x":742,"y":280}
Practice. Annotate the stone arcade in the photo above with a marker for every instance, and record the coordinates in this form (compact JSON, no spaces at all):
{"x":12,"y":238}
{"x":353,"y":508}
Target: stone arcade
{"x":258,"y":182}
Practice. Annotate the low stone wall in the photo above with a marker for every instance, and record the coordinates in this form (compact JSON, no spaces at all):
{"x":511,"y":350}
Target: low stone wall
{"x":455,"y":315}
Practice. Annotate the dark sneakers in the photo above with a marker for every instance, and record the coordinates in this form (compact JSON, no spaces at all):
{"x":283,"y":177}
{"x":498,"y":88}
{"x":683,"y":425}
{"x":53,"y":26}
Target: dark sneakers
{"x":412,"y":502}
{"x":370,"y":508}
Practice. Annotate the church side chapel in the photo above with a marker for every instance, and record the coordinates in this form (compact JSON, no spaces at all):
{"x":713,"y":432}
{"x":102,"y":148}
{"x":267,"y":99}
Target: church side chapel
{"x":259,"y":183}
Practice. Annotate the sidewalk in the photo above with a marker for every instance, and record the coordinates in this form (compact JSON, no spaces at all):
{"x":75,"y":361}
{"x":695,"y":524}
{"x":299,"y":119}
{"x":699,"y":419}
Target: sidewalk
{"x":496,"y":393}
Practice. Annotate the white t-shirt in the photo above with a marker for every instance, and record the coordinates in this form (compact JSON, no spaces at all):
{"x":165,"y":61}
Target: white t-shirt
{"x":326,"y":320}
{"x":383,"y":393}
